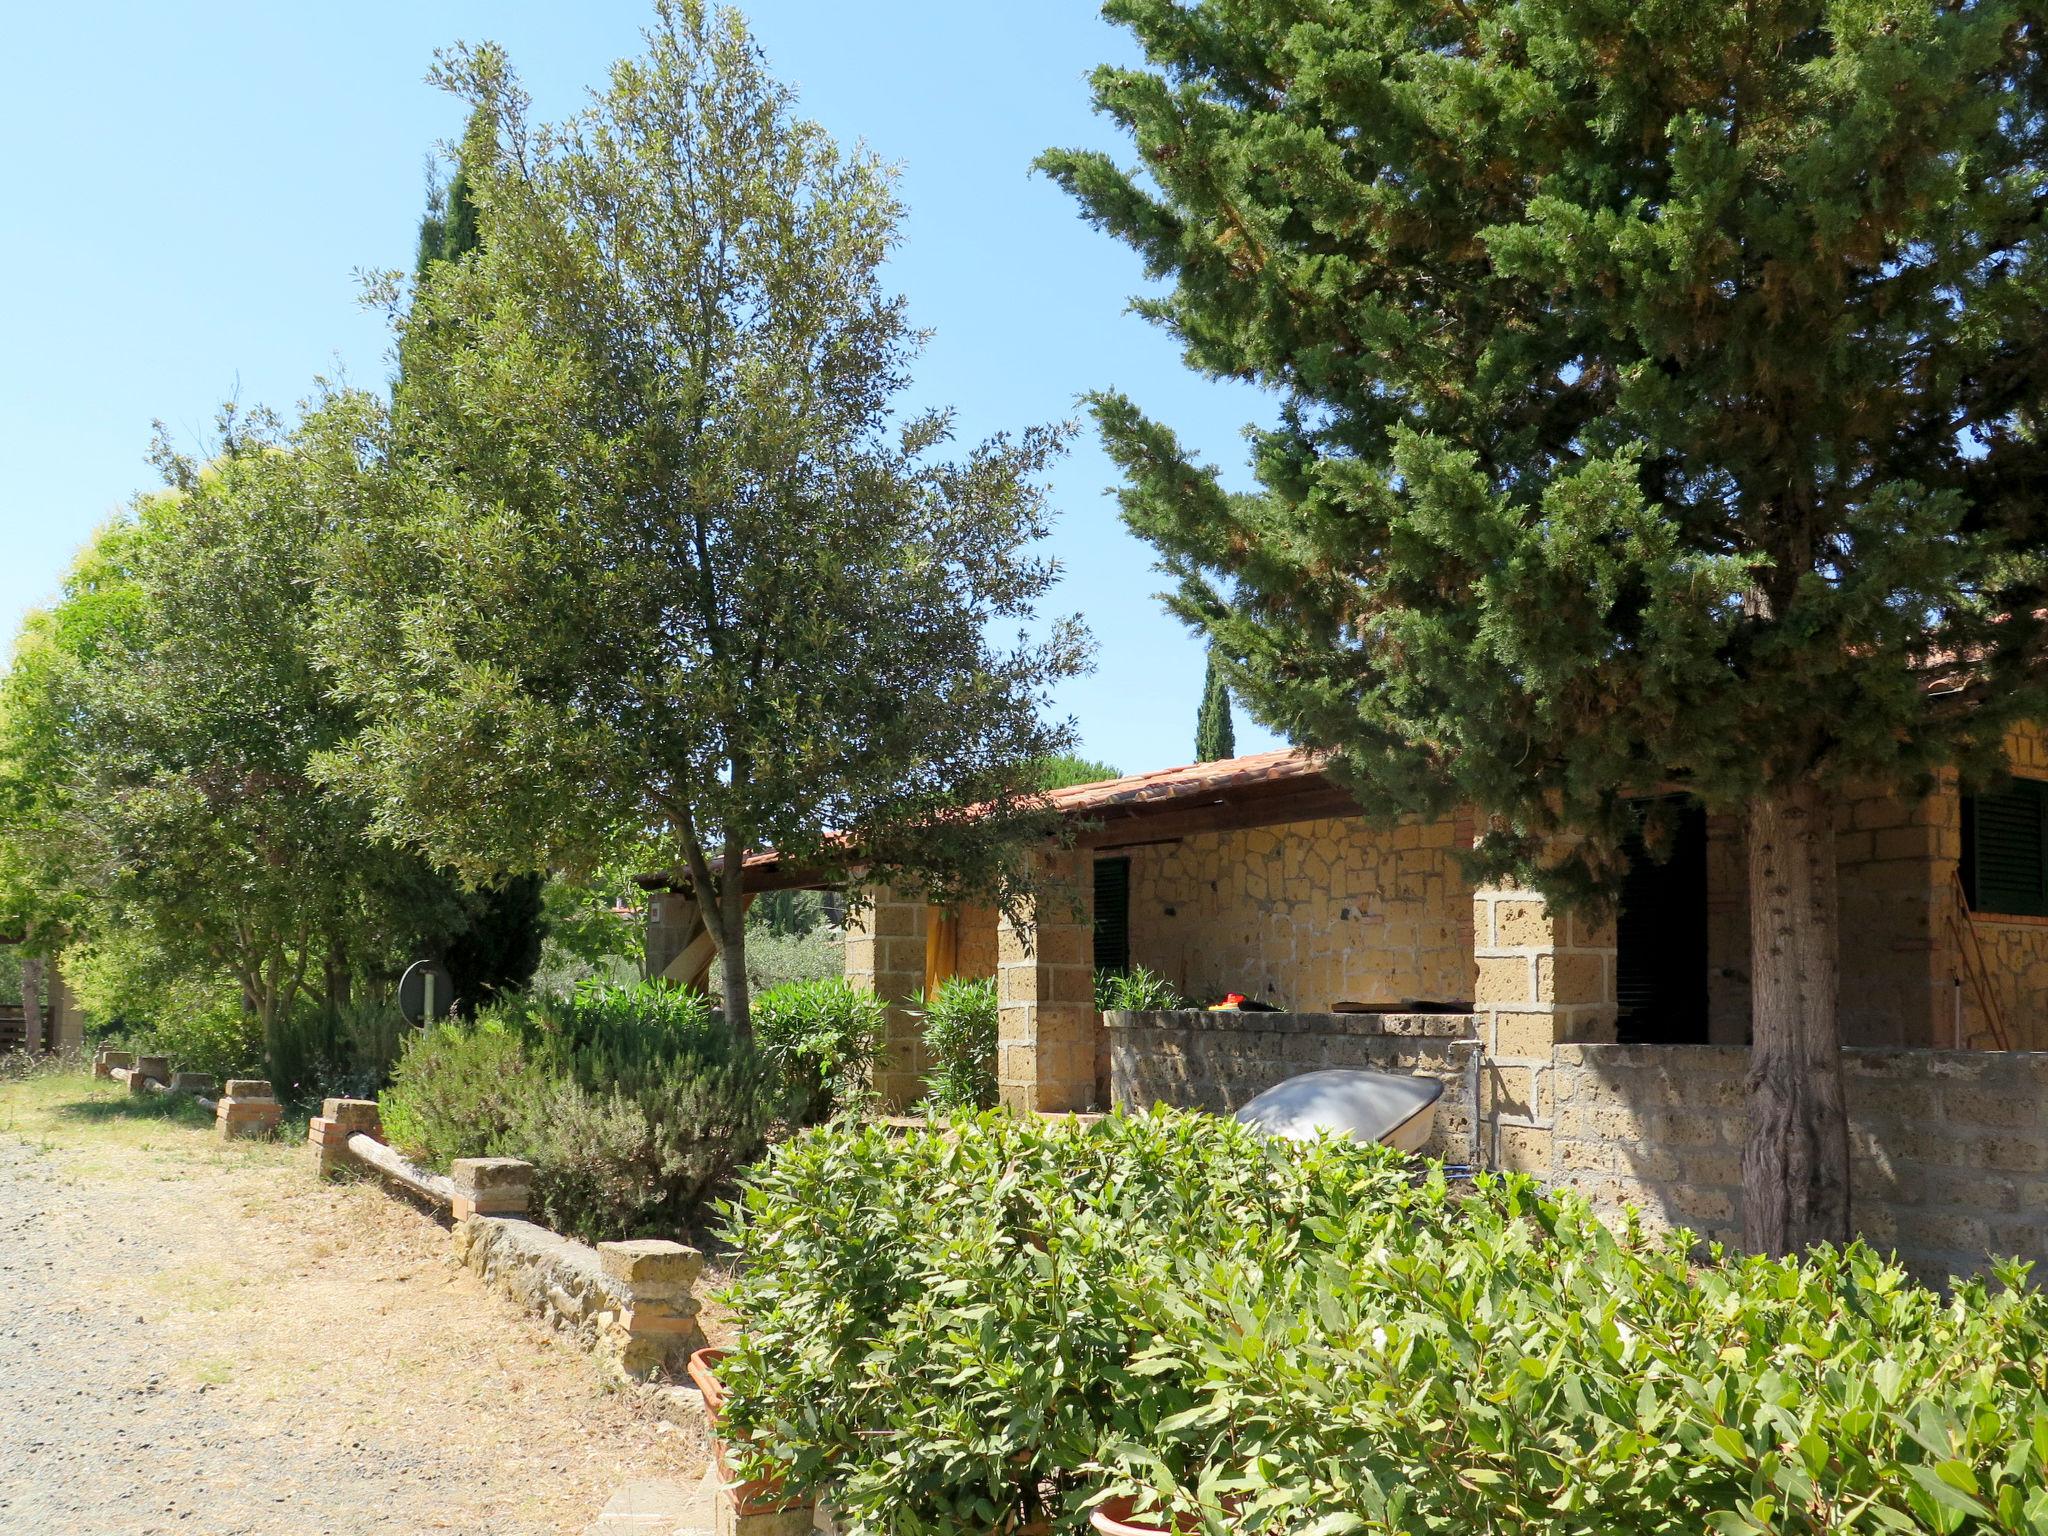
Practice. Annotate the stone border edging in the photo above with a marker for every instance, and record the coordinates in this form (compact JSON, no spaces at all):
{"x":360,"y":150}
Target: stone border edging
{"x":633,"y":1303}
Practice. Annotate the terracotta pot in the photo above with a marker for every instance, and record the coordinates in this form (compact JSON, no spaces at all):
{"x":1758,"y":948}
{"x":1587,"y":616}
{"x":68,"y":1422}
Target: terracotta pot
{"x":703,"y":1368}
{"x":755,"y":1496}
{"x":1114,"y":1517}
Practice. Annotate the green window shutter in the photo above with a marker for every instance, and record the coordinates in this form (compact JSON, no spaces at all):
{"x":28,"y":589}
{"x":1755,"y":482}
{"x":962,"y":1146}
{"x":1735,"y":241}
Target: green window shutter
{"x":1112,"y":914}
{"x":2007,"y":850}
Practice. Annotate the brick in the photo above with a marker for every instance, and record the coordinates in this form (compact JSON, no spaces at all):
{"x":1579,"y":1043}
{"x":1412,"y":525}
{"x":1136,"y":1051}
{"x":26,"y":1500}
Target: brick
{"x":248,"y":1088}
{"x":157,"y":1068}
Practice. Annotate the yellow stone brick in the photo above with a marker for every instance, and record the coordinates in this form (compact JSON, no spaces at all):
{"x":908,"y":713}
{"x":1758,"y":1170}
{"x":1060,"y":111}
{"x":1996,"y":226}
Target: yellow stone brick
{"x":1522,"y":923}
{"x":1571,"y":978}
{"x":1503,"y":979}
{"x":1525,"y":1035}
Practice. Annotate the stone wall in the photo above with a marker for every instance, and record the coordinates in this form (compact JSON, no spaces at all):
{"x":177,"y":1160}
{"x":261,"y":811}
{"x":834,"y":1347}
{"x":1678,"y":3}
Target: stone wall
{"x":1896,"y":860}
{"x":630,"y":1303}
{"x":1949,"y":1148}
{"x":1308,"y":914}
{"x":1196,"y":1059}
{"x":2015,"y":950}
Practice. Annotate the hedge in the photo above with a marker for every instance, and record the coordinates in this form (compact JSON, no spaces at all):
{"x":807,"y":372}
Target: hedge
{"x":964,"y":1330}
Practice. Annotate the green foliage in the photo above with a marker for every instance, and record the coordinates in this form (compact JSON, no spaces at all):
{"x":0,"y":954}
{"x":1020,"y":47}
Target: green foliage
{"x":202,"y":1033}
{"x":945,"y":1331}
{"x":1215,"y":731}
{"x":1135,"y":991}
{"x":632,"y":1103}
{"x":664,"y":558}
{"x":1063,"y":771}
{"x":960,"y":1022}
{"x":464,"y":1089}
{"x":1661,"y":389}
{"x":497,"y":948}
{"x":335,"y":1050}
{"x":823,"y":1038}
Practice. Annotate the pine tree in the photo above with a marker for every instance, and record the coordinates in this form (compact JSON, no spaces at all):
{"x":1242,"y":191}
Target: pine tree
{"x":1661,"y":402}
{"x":1215,"y":734}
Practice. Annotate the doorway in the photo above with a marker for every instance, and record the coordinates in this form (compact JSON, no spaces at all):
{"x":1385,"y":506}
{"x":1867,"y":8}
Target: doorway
{"x":1661,"y":967}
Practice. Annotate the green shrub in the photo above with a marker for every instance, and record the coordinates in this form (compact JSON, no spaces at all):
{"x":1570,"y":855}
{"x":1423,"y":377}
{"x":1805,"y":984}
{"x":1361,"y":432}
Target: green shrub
{"x":209,"y":1034}
{"x":346,"y":1051}
{"x":947,"y":1331}
{"x":464,"y":1089}
{"x":823,"y":1038}
{"x":632,"y":1103}
{"x":960,"y":1043}
{"x":1135,"y":991}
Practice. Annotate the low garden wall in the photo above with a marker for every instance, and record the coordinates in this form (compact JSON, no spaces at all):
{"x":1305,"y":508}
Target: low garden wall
{"x":1197,"y":1059}
{"x":1948,"y":1149}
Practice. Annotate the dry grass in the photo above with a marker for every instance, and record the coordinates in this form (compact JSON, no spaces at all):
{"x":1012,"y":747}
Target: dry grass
{"x":329,"y":1308}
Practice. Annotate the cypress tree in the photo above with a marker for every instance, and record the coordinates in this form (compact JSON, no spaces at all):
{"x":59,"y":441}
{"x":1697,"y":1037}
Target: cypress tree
{"x":1661,"y":392}
{"x":1215,"y":734}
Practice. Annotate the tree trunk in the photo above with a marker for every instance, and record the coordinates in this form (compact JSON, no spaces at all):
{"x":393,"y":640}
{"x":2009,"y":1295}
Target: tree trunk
{"x":1795,"y":1167}
{"x":732,"y":945}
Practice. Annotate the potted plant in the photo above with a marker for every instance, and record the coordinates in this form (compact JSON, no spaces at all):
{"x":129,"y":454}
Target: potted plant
{"x":750,"y":1496}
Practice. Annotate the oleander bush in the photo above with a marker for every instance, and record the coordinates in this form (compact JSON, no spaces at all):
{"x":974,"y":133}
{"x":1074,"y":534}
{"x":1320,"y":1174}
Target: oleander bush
{"x":959,"y":1025}
{"x":822,"y":1037}
{"x":632,"y":1103}
{"x":960,"y":1330}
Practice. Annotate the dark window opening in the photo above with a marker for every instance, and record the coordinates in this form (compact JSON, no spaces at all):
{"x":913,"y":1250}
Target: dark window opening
{"x":2005,"y":850}
{"x":1112,"y":914}
{"x":1661,"y":968}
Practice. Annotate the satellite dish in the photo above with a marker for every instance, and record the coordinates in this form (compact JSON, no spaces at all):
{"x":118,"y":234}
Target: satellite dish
{"x":1366,"y":1106}
{"x":426,"y":991}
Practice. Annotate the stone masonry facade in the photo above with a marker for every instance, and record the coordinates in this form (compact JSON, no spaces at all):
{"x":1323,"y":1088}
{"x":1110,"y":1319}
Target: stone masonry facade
{"x":1308,"y":914}
{"x":1948,"y":1149}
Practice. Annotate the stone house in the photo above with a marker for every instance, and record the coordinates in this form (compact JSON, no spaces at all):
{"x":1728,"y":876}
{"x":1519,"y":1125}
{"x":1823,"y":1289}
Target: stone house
{"x":1608,"y":1054}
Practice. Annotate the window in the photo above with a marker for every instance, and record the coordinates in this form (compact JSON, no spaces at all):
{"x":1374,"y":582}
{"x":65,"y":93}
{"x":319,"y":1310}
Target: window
{"x":1112,"y":914}
{"x":2005,"y":850}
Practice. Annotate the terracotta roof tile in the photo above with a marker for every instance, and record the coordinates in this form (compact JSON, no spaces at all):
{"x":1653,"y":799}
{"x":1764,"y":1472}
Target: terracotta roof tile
{"x":1191,"y":781}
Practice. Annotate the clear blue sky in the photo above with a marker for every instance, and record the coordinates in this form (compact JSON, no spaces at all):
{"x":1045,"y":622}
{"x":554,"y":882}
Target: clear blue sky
{"x":189,"y":191}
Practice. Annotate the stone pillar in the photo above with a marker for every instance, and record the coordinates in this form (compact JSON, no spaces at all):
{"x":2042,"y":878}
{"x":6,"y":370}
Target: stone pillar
{"x":1048,"y":1030}
{"x":490,"y":1186}
{"x":246,"y":1107}
{"x":67,"y":1024}
{"x":656,"y":1328}
{"x":885,"y":945}
{"x":1541,"y":979}
{"x":328,"y":1132}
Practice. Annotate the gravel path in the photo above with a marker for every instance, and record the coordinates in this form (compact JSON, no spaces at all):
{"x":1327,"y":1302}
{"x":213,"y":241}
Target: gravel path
{"x":200,"y":1339}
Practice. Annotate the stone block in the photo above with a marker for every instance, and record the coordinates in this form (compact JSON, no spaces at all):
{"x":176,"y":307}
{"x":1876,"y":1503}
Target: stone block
{"x":104,"y":1062}
{"x":651,"y":1267}
{"x":138,"y":1081}
{"x":1522,"y":923}
{"x":200,"y":1083}
{"x":490,"y":1186}
{"x":1571,"y":978}
{"x":1529,"y":1035}
{"x":1503,"y":979}
{"x":353,"y":1115}
{"x":156,"y":1068}
{"x":248,"y":1088}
